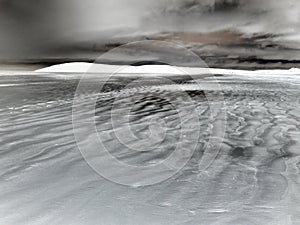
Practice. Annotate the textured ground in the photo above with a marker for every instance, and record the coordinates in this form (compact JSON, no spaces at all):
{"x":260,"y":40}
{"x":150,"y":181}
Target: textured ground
{"x":252,"y":179}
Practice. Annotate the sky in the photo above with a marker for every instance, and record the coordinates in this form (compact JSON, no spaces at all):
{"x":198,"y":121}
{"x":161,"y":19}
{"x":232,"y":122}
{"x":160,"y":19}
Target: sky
{"x":34,"y":26}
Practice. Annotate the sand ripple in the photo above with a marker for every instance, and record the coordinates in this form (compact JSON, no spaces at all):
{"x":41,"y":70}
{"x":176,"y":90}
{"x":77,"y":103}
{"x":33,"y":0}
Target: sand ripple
{"x":253,"y":179}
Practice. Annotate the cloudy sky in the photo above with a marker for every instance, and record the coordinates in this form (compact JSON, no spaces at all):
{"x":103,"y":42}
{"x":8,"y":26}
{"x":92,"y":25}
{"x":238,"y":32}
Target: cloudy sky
{"x":34,"y":26}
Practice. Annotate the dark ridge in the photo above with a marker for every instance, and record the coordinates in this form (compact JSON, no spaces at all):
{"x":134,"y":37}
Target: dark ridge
{"x":142,"y":63}
{"x":266,"y":61}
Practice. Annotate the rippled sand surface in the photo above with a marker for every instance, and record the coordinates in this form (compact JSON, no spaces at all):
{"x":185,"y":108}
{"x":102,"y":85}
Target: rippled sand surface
{"x":252,"y":179}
